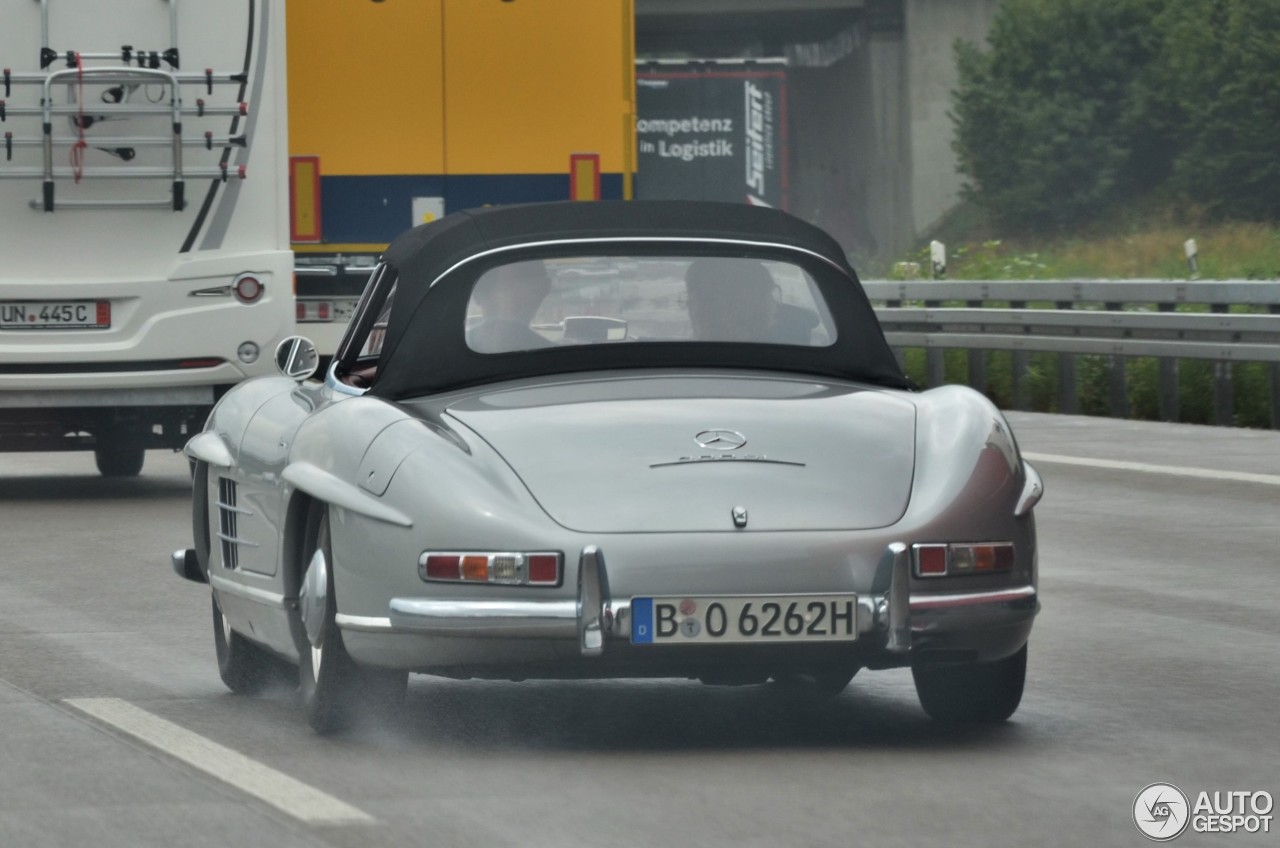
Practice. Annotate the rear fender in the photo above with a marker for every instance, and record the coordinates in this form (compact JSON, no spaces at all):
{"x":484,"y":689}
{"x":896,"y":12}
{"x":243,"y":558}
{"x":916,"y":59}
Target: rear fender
{"x":969,"y":477}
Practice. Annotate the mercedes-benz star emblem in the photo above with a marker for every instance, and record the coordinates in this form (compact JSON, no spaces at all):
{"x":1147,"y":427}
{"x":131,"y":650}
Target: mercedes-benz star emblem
{"x":724,"y":440}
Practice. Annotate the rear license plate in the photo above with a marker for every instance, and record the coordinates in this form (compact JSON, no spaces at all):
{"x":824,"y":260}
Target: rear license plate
{"x":312,"y":311}
{"x":744,"y":618}
{"x":55,"y":315}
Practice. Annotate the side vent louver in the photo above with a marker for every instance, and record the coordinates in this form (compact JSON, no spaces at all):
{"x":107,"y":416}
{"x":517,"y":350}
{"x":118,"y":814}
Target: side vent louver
{"x":227,"y":515}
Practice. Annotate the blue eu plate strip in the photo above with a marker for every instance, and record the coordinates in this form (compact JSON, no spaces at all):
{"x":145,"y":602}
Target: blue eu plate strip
{"x":642,"y":621}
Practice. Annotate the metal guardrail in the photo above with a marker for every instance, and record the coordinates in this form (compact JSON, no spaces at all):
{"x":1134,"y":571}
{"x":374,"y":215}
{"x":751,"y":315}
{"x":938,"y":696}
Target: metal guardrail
{"x":1119,"y":319}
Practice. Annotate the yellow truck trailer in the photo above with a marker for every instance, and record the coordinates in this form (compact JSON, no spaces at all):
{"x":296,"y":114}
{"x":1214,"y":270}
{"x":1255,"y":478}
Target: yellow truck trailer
{"x":404,"y":110}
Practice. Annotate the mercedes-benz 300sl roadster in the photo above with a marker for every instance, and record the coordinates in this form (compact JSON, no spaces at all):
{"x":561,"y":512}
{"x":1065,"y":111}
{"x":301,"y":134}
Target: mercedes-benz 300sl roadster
{"x":631,"y":439}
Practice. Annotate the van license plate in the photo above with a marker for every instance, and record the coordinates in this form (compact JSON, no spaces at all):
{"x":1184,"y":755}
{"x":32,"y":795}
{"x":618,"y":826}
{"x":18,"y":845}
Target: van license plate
{"x":55,"y":315}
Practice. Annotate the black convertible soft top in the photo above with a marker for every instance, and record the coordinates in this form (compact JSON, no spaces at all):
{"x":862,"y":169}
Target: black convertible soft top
{"x":425,"y":350}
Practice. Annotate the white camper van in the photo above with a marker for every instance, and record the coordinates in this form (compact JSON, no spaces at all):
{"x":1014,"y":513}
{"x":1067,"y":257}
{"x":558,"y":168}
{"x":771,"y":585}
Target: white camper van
{"x":144,"y":244}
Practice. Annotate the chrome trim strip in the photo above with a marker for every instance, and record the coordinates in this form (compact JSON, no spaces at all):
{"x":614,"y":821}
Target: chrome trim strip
{"x":970,"y":599}
{"x":557,"y":618}
{"x":249,"y":593}
{"x":729,"y":458}
{"x":231,"y":508}
{"x":236,"y":540}
{"x":362,"y":623}
{"x":786,"y":248}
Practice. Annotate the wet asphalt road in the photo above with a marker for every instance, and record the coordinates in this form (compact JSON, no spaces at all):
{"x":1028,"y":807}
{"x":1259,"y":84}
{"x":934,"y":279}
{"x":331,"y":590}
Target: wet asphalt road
{"x":1156,"y":658}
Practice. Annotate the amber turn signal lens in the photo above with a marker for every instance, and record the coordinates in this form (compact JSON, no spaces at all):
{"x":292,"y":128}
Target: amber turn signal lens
{"x":475,"y":568}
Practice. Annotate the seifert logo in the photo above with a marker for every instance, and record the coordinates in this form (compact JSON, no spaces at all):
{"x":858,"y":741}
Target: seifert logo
{"x":755,"y":137}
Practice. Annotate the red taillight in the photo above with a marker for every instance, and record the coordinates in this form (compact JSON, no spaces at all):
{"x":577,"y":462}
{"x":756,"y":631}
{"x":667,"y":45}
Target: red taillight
{"x":440,"y":567}
{"x":300,"y":311}
{"x":313,"y":311}
{"x":544,"y":569}
{"x":939,"y":560}
{"x":931,"y":560}
{"x":505,"y":568}
{"x":247,"y":288}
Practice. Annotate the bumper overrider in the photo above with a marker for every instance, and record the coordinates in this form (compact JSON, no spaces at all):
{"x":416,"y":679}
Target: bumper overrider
{"x":941,"y":625}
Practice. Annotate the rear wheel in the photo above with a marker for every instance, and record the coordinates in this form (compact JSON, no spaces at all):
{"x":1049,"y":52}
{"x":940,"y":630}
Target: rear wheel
{"x":972,"y":693}
{"x":333,"y":686}
{"x":200,"y":534}
{"x":120,"y":459}
{"x":245,"y":668}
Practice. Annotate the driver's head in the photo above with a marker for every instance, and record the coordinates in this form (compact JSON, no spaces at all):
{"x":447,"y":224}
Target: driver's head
{"x":513,"y":291}
{"x":730,"y":299}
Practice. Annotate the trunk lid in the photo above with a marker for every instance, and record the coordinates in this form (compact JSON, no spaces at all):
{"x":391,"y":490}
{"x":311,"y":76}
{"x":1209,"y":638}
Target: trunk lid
{"x":680,"y":454}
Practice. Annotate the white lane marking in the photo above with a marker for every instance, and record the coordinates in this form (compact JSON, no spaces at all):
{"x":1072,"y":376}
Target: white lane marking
{"x":286,"y":794}
{"x":1179,"y":470}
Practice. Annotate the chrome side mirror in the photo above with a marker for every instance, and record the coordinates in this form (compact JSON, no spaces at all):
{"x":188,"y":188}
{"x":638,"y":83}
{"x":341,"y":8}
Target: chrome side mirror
{"x":297,"y":358}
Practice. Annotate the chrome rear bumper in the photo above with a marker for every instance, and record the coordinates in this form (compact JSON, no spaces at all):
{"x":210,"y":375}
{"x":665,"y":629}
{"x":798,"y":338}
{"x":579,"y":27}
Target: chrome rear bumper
{"x":595,"y":618}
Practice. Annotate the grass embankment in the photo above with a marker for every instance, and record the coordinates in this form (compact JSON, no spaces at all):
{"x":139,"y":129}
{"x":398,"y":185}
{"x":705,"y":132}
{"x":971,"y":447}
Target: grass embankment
{"x":1226,"y":251}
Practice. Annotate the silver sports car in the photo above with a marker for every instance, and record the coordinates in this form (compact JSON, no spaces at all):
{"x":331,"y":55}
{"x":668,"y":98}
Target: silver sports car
{"x":631,"y":439}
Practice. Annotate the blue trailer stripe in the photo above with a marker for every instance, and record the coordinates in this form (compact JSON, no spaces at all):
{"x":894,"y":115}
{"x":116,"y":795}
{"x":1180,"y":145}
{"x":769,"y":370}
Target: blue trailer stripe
{"x":376,"y":209}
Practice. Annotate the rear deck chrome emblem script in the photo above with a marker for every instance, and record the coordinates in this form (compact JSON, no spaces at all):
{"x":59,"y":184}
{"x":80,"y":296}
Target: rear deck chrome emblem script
{"x":723,"y":441}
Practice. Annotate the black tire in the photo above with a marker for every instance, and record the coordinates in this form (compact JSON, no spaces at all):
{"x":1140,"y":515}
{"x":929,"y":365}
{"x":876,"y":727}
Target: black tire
{"x":200,"y":534}
{"x":972,"y":693}
{"x":334,"y":688}
{"x":244,"y":667}
{"x":120,"y":459}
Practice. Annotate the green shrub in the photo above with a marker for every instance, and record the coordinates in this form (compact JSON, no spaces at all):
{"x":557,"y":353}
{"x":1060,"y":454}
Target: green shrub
{"x":1077,"y":106}
{"x":1043,"y":118}
{"x":1213,"y":84}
